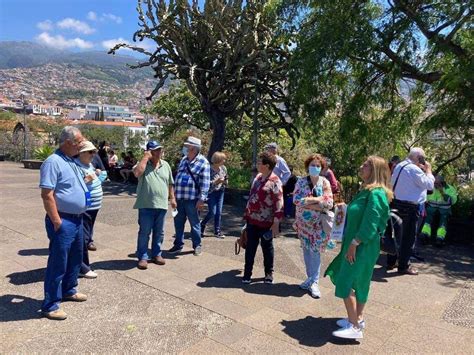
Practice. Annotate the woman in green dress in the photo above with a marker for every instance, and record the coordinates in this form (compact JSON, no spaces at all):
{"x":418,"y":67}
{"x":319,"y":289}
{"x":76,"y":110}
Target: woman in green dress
{"x":351,"y":270}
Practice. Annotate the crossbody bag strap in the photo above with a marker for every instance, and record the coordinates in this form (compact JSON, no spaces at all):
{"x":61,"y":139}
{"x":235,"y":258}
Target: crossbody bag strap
{"x":398,"y":176}
{"x":198,"y":188}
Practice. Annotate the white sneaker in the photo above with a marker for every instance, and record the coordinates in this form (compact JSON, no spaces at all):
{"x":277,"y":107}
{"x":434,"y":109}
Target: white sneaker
{"x":314,"y":290}
{"x":89,"y":275}
{"x":349,"y":332}
{"x":306,"y":284}
{"x":344,"y":322}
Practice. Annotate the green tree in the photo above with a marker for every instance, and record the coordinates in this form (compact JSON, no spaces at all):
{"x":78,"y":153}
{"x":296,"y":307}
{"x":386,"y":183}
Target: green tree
{"x":225,"y":51}
{"x":404,"y":64}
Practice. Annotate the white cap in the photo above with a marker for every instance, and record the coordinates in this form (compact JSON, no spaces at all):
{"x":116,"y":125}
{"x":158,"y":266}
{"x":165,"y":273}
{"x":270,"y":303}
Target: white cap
{"x":195,"y":142}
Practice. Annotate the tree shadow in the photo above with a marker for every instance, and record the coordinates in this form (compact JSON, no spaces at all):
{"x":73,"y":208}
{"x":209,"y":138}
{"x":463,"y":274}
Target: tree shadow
{"x":230,"y":279}
{"x":304,"y":330}
{"x":27,"y":277}
{"x":16,"y":308}
{"x":117,"y":188}
{"x":114,"y":265}
{"x":30,"y":252}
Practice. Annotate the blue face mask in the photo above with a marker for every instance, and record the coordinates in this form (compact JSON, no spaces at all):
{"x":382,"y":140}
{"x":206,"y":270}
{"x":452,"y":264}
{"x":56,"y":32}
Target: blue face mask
{"x":185,"y":151}
{"x":314,"y":170}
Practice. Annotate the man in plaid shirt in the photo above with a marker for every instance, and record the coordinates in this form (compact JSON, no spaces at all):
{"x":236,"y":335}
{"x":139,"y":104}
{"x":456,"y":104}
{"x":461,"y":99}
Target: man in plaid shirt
{"x":191,"y":188}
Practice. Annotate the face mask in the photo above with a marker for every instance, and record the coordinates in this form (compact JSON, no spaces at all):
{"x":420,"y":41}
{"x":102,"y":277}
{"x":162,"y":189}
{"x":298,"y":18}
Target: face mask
{"x":185,"y":151}
{"x":314,"y":170}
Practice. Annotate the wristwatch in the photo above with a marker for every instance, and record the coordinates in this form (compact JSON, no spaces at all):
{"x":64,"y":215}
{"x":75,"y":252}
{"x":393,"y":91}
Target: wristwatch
{"x":355,"y":242}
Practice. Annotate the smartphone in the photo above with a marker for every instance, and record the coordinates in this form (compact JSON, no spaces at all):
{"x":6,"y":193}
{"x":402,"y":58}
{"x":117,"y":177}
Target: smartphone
{"x":422,"y":160}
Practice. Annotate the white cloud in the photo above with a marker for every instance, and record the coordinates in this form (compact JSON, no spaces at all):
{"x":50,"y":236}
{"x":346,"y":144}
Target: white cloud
{"x":75,"y":25}
{"x":112,"y":17}
{"x":60,"y":42}
{"x":46,"y":25}
{"x":91,"y":15}
{"x":112,"y":42}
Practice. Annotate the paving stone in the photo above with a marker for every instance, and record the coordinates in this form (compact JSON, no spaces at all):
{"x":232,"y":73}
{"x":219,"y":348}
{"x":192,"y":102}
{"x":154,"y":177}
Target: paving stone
{"x":232,"y":334}
{"x":209,"y":346}
{"x":260,"y":343}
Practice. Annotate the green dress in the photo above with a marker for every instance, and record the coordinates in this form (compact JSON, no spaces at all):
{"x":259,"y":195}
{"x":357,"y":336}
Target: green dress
{"x":367,"y":217}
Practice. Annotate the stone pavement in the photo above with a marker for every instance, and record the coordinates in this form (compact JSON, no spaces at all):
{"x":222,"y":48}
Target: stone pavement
{"x":198,"y":305}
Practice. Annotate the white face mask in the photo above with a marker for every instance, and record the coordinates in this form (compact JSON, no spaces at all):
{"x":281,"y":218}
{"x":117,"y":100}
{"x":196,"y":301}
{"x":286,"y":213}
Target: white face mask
{"x":185,"y":151}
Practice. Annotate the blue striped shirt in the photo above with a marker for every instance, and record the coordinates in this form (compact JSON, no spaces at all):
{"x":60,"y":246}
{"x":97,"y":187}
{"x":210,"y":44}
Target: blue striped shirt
{"x":95,"y":186}
{"x":185,"y":188}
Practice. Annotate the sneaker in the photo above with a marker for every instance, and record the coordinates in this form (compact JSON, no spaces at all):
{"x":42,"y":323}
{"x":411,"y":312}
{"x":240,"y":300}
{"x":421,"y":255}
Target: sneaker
{"x":314,"y":291}
{"x":219,"y":235}
{"x":349,"y":332}
{"x":306,"y":284}
{"x":142,"y":264}
{"x":89,"y":275}
{"x":245,"y":280}
{"x":58,"y":314}
{"x":197,"y":251}
{"x":175,"y":250}
{"x":268,"y":278}
{"x":91,"y":247}
{"x":77,"y":297}
{"x":344,"y":322}
{"x":158,"y":260}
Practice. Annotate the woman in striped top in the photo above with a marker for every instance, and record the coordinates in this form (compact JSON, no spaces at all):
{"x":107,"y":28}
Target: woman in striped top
{"x":93,"y":178}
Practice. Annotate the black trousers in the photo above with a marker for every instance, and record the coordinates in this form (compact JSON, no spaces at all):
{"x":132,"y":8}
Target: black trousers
{"x":409,"y":213}
{"x":254,"y":237}
{"x":88,"y":221}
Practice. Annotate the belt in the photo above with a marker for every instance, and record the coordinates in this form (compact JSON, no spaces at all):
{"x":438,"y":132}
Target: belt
{"x":70,"y":215}
{"x":415,"y":204}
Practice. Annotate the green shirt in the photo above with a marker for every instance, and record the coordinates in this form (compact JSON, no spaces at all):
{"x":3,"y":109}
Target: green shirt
{"x":153,"y":185}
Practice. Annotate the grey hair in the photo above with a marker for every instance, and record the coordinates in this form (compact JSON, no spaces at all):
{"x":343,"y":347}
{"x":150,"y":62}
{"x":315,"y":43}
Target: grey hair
{"x":68,"y":132}
{"x":416,"y":152}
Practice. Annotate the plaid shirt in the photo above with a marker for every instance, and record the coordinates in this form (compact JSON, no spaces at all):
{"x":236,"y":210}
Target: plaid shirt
{"x":185,"y":188}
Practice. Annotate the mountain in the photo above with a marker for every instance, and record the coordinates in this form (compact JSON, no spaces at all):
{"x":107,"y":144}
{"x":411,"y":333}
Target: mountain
{"x":29,"y":54}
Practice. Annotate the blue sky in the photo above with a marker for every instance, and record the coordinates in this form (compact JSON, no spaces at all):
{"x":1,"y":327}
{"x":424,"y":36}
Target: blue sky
{"x":69,"y":24}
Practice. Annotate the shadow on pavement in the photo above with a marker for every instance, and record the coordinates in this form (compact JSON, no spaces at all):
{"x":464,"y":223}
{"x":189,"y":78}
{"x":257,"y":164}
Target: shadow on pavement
{"x":27,"y":277}
{"x":30,"y":252}
{"x":314,"y":332}
{"x":230,"y":279}
{"x":453,"y":263}
{"x":117,"y":188}
{"x":16,"y":308}
{"x":121,"y":265}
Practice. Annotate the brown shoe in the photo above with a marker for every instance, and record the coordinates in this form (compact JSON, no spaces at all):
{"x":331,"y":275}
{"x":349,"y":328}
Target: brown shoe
{"x":91,"y":247}
{"x":158,"y":260}
{"x":58,"y":314}
{"x":77,"y":297}
{"x":410,"y":271}
{"x":143,"y":264}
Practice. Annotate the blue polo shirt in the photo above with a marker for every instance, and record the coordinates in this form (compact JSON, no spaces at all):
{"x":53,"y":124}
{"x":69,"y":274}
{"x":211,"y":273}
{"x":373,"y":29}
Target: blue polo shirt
{"x":61,"y":174}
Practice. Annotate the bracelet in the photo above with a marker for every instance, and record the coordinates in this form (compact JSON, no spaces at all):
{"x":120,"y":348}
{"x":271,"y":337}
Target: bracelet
{"x":355,"y":242}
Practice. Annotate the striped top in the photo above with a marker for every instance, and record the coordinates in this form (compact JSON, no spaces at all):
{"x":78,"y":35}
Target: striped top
{"x":95,"y":186}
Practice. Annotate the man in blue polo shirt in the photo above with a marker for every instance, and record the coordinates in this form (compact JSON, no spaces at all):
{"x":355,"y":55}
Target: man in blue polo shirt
{"x":65,"y":197}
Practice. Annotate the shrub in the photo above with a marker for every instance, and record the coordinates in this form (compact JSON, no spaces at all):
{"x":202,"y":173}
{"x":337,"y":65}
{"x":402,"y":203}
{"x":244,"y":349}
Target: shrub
{"x":464,"y":208}
{"x":43,"y":152}
{"x":238,"y":178}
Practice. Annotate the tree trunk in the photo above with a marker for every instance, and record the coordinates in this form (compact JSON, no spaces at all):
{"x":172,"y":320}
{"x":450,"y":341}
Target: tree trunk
{"x":217,"y":119}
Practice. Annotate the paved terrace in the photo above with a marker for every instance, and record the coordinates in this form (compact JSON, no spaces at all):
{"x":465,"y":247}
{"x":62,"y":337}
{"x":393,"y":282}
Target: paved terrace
{"x":198,"y":305}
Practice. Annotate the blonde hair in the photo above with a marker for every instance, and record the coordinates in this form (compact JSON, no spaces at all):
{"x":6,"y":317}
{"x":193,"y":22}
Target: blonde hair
{"x":379,"y":176}
{"x":218,"y":157}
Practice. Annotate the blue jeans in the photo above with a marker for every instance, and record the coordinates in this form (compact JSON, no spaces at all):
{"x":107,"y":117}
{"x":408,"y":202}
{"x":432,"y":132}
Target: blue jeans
{"x":64,"y":261}
{"x":150,"y":219}
{"x":187,"y":210}
{"x":215,"y":201}
{"x":312,"y":261}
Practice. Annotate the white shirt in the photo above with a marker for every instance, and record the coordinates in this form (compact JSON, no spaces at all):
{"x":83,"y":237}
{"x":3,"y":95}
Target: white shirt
{"x":412,"y":183}
{"x":282,"y":170}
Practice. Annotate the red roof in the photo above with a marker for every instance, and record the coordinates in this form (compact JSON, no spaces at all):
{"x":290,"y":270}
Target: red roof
{"x":106,"y":123}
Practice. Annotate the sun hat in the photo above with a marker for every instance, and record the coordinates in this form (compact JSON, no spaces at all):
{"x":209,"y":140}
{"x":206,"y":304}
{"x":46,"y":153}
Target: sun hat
{"x":87,"y":146}
{"x":195,"y":142}
{"x":271,"y":145}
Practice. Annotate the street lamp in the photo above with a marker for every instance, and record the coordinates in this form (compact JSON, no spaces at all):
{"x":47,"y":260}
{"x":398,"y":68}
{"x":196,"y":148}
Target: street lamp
{"x":25,"y":129}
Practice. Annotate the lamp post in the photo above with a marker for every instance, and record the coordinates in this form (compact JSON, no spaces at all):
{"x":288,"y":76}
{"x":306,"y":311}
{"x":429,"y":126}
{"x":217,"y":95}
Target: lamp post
{"x":255,"y":129}
{"x":25,"y":129}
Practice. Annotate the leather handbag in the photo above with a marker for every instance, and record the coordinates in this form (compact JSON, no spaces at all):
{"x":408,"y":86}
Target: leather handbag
{"x":390,"y":239}
{"x":241,"y":243}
